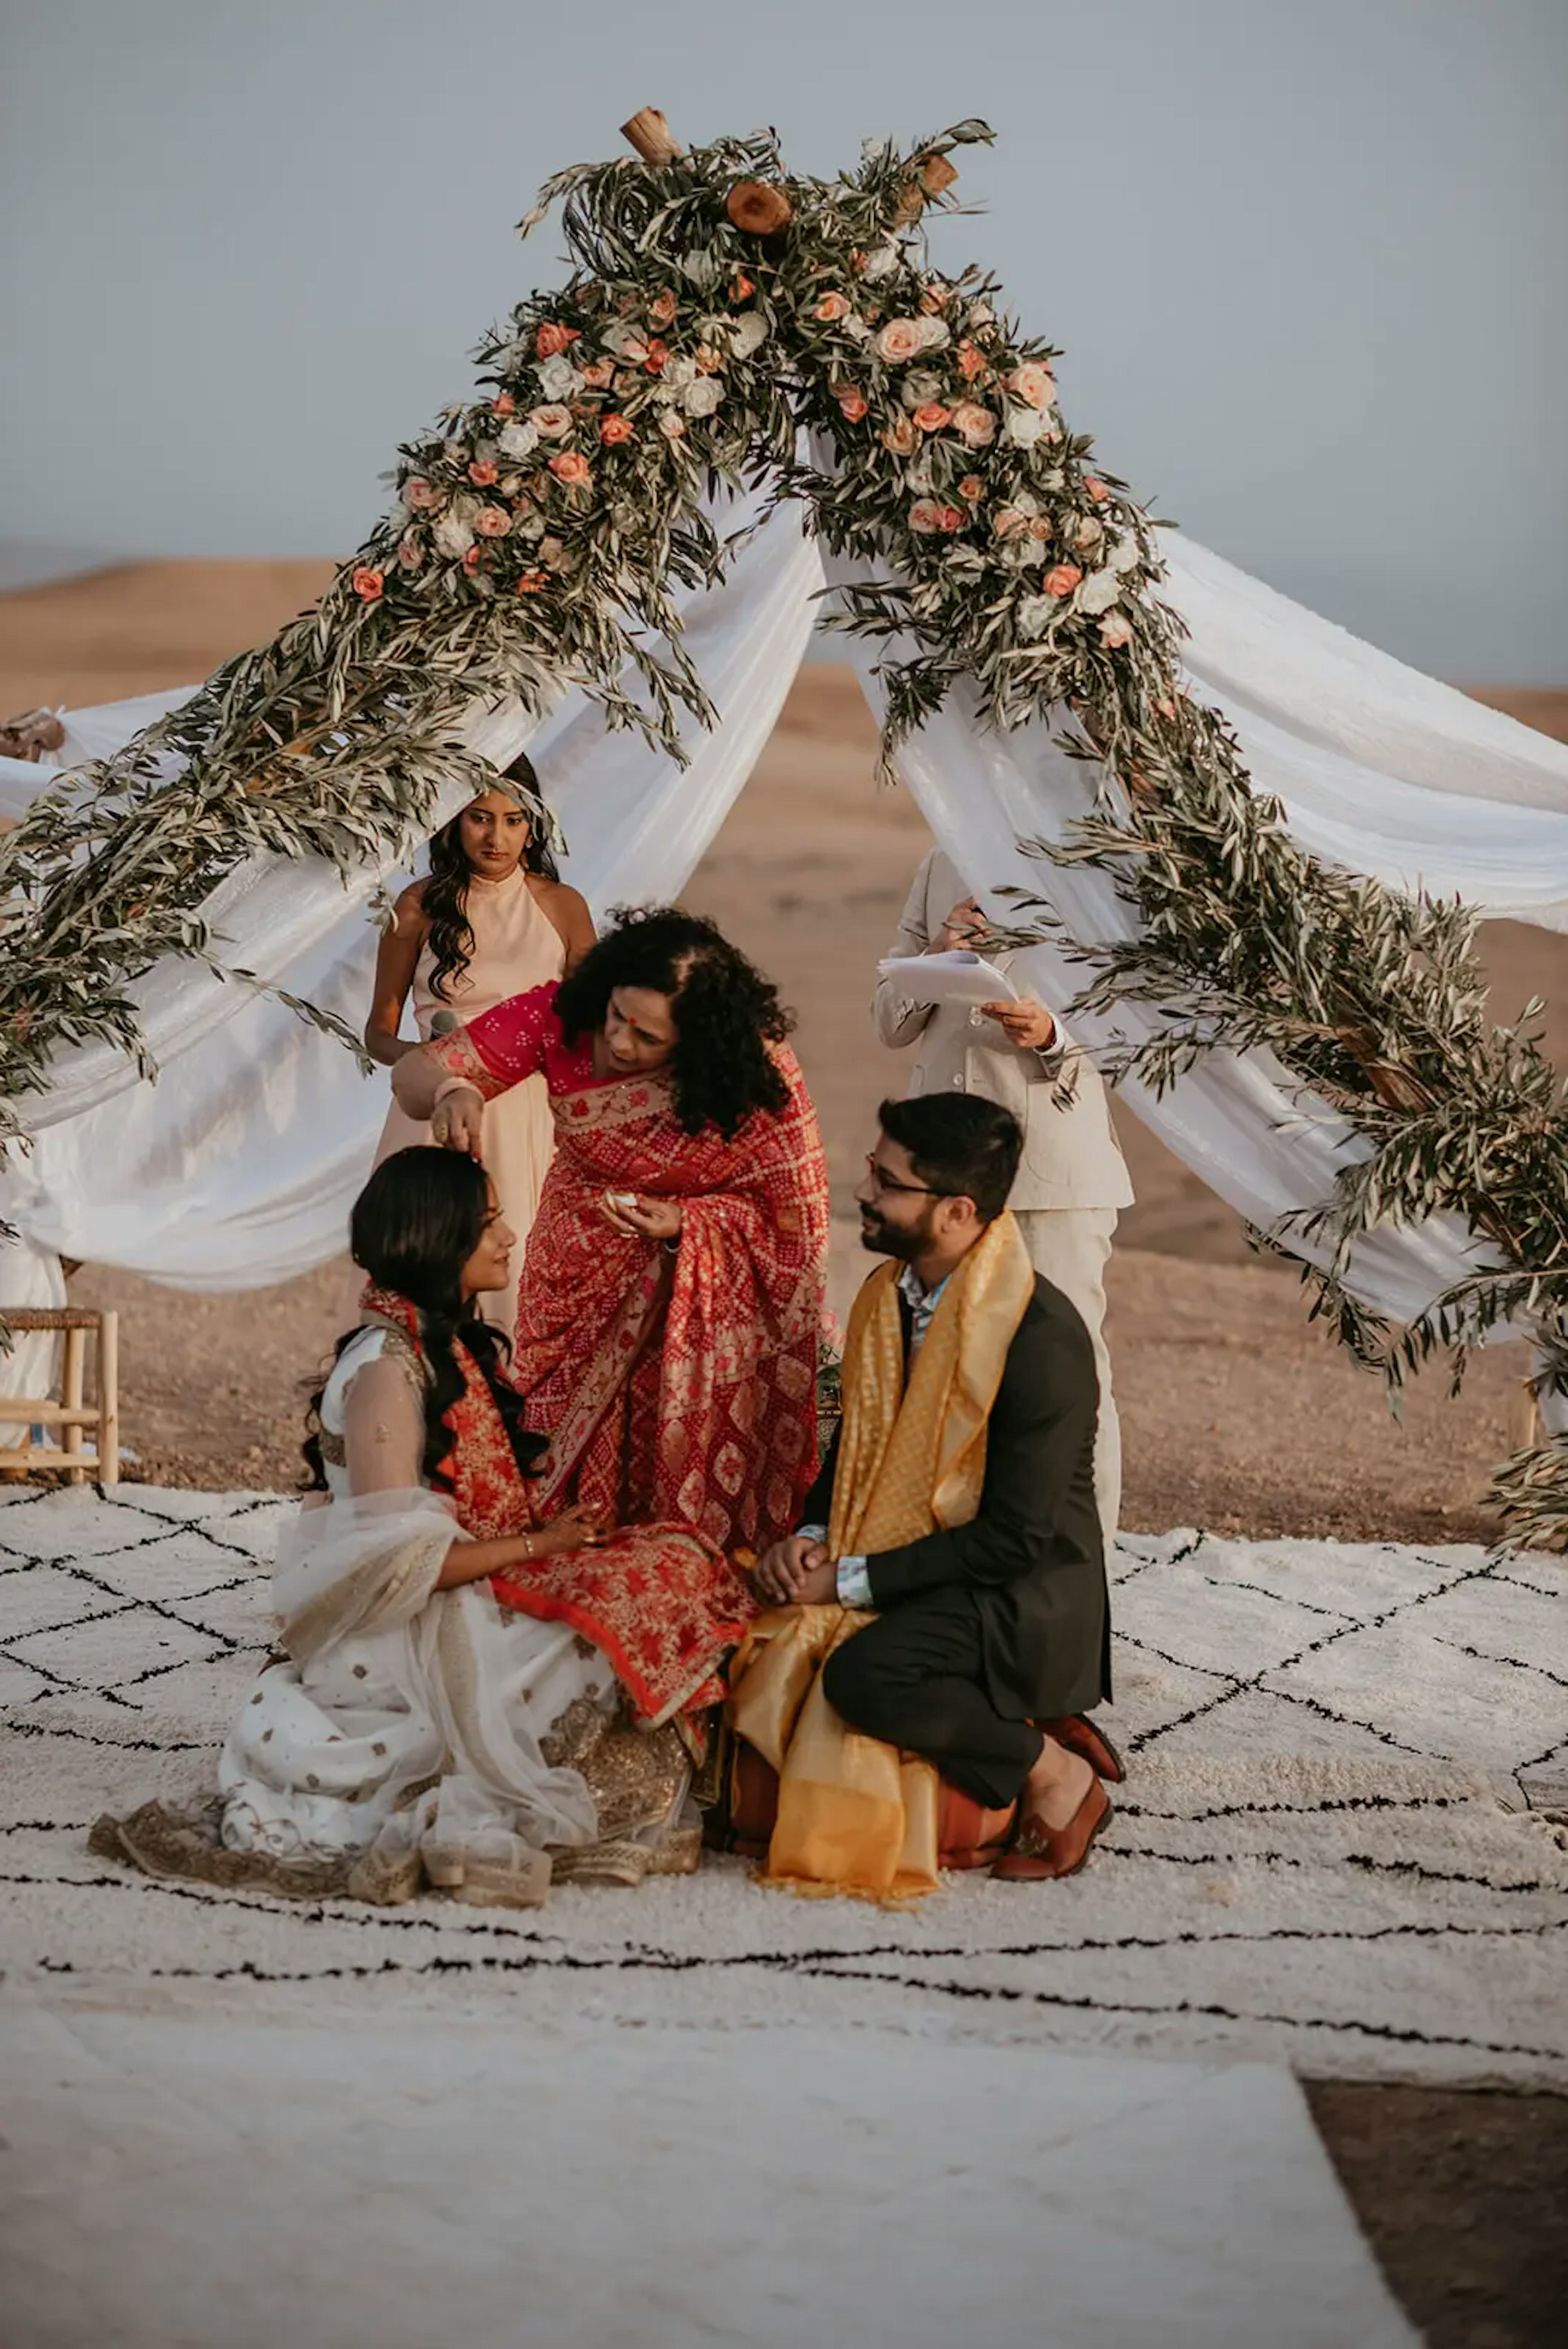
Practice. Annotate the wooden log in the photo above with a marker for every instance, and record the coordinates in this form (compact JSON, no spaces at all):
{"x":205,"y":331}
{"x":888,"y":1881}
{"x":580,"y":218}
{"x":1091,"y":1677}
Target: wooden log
{"x":933,"y":176}
{"x":758,"y":207}
{"x":71,"y":1396}
{"x":109,"y":1399}
{"x":651,"y":136}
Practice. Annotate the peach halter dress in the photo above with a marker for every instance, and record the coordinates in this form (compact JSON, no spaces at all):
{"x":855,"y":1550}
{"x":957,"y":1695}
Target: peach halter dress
{"x":515,"y":947}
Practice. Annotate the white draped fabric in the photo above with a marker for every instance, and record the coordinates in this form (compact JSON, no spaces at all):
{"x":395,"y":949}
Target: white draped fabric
{"x":237,"y":1167}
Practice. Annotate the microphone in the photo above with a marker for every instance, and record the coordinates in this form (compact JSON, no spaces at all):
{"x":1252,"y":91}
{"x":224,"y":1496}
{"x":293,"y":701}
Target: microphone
{"x":443,"y":1022}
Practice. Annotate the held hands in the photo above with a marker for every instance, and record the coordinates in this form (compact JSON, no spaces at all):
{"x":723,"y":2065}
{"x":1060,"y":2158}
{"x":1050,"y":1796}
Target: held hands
{"x":575,"y":1528}
{"x":1024,"y":1022}
{"x":797,"y":1572}
{"x":641,"y":1219}
{"x":457,"y":1121}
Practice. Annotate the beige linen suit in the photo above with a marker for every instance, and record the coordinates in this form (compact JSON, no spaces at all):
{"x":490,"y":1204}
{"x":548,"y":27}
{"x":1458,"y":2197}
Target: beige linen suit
{"x":1073,"y":1178}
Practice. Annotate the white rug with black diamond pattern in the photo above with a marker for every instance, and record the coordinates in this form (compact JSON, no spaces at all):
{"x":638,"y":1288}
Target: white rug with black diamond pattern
{"x":1319,"y":1856}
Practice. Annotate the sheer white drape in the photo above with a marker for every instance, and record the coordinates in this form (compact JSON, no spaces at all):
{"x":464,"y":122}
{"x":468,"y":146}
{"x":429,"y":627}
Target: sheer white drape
{"x":237,"y":1167}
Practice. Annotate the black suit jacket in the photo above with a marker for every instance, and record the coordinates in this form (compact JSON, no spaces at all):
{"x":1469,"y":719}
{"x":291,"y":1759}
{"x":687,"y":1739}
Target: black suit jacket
{"x":1031,"y":1556}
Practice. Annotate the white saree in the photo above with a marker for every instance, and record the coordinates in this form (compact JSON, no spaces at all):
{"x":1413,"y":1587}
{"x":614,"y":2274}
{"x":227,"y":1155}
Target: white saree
{"x":413,"y":1733}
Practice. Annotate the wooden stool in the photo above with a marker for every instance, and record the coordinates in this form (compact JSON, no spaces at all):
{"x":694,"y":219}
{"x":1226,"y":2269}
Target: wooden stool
{"x":70,"y":1414}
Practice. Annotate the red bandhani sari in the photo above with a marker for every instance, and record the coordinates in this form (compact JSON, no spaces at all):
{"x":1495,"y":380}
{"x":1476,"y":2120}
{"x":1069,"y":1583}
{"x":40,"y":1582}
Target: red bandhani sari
{"x":678,"y":1385}
{"x":665,"y":1606}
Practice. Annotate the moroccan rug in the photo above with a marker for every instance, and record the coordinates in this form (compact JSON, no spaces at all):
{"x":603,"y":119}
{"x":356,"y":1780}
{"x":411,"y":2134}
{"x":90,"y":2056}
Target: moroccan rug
{"x":1321,"y":1856}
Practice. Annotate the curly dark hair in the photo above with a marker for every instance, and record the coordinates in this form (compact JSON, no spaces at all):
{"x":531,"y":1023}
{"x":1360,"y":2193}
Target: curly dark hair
{"x":412,"y":1228}
{"x":726,"y":1014}
{"x":443,"y":900}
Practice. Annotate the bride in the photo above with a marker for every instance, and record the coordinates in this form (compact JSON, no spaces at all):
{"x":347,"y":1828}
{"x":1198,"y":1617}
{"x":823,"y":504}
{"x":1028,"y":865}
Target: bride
{"x":469,"y":1696}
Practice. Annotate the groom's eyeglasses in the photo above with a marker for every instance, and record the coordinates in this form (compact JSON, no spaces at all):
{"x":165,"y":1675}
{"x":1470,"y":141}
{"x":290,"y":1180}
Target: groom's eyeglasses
{"x":883,"y":1183}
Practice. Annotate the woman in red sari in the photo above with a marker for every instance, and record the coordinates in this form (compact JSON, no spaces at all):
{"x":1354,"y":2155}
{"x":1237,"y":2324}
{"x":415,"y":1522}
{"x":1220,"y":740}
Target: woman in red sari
{"x":672,"y":1298}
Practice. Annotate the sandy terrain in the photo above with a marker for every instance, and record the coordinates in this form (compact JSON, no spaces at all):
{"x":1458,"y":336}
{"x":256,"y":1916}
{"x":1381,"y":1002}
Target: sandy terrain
{"x":1237,"y":1414}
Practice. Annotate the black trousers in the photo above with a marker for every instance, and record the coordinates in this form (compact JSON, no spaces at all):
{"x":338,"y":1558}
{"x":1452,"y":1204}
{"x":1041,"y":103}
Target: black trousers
{"x":915,"y":1678}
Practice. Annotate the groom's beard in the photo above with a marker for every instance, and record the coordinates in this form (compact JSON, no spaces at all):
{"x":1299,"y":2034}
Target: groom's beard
{"x":904,"y":1243}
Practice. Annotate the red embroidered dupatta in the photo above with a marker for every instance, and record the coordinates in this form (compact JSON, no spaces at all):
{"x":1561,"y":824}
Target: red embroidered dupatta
{"x":674,"y":1386}
{"x":663,"y":1604}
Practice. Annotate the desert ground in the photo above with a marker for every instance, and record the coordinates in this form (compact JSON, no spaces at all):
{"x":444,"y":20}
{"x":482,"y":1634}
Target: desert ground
{"x":1237,"y":1413}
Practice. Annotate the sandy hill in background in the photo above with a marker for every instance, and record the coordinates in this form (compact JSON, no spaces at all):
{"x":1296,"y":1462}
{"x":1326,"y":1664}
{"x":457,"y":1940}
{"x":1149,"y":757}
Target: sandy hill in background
{"x":1237,"y":1413}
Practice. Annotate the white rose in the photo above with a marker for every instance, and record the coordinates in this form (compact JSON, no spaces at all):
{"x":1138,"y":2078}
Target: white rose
{"x":1099,"y":591}
{"x":981,"y":313}
{"x":1035,"y":614}
{"x":530,"y":523}
{"x":558,"y":378}
{"x":453,"y":531}
{"x":934,"y":335}
{"x":856,"y":328}
{"x":623,"y":340}
{"x":920,"y":386}
{"x":519,"y":438}
{"x":881,"y":263}
{"x":1024,"y":426}
{"x":1126,"y":554}
{"x":679,"y":371}
{"x":748,"y":335}
{"x":702,"y":269}
{"x":703,"y":395}
{"x":919,"y":477}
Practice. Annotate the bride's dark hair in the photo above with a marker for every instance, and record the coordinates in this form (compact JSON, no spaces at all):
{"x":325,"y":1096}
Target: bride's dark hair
{"x":443,"y":900}
{"x":412,"y":1228}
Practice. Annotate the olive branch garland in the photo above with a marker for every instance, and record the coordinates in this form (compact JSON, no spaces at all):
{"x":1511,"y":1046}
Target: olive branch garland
{"x":538,"y":534}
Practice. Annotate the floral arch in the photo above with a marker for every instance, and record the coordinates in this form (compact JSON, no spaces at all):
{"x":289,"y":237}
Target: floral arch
{"x":738,"y":351}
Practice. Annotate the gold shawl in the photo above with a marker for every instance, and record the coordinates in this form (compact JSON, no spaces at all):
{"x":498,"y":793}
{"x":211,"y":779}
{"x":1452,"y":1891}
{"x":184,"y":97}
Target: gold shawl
{"x":855,"y":1815}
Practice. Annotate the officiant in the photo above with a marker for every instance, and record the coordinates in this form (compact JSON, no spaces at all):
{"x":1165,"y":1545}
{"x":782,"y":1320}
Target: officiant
{"x":1072,"y":1180}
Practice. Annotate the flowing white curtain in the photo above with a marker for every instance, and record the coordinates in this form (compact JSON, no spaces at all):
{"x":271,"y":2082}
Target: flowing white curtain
{"x":238,"y":1166}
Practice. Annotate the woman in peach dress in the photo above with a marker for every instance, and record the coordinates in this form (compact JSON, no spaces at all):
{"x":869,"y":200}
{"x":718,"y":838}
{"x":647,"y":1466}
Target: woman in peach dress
{"x":492,"y":920}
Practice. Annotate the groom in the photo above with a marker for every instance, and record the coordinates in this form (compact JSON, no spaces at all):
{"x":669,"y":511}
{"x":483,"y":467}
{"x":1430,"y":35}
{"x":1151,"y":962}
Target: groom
{"x":969,"y":1405}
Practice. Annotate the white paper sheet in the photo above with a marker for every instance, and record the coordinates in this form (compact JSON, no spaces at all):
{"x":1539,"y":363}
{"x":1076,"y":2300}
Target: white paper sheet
{"x":957,"y":977}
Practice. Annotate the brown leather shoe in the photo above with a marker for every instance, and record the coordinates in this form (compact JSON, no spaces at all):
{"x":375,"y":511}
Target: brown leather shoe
{"x":1040,"y":1851}
{"x":1081,"y":1735}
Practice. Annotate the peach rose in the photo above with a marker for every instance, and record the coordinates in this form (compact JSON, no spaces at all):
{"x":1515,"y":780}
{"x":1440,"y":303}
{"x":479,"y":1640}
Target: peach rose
{"x":493,"y":521}
{"x":741,"y":288}
{"x":662,"y":308}
{"x":832,"y":307}
{"x":1087,"y":533}
{"x":975,"y":425}
{"x":932,"y":415}
{"x":504,"y":404}
{"x":614,"y":431}
{"x":971,"y":361}
{"x":1010,"y":521}
{"x":410,"y":554}
{"x":551,"y":340}
{"x":625,"y":383}
{"x":1097,"y":490}
{"x":553,"y":553}
{"x":973,"y":488}
{"x":658,"y":353}
{"x":474,"y":560}
{"x":573,"y":469}
{"x":899,"y":437}
{"x":598,"y":374}
{"x":419,"y":495}
{"x":1115,"y":629}
{"x":368,"y":583}
{"x":551,"y":422}
{"x":672,"y":426}
{"x":1166,"y":705}
{"x":900,"y":339}
{"x":1034,"y":385}
{"x":709,"y":360}
{"x":930,"y":517}
{"x":933,"y":299}
{"x":484,"y":472}
{"x":531,"y":582}
{"x":852,"y":405}
{"x":1061,"y":579}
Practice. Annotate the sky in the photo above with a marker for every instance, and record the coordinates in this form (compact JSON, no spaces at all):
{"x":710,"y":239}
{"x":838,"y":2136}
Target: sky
{"x":1305,"y":260}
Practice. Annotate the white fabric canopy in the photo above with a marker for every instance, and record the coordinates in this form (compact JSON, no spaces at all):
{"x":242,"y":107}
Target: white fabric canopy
{"x":237,"y":1168}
